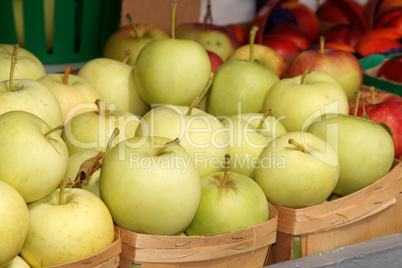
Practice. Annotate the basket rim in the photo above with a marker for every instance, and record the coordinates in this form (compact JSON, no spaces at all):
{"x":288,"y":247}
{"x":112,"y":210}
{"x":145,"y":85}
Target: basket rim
{"x":174,"y":249}
{"x":342,"y":211}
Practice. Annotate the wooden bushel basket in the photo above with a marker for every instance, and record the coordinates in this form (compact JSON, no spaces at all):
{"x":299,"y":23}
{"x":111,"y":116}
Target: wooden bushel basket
{"x":244,"y":248}
{"x":107,"y":258}
{"x":371,"y":212}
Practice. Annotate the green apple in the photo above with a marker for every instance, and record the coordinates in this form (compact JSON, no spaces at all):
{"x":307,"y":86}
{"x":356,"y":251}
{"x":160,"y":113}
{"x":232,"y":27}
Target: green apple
{"x":297,"y":169}
{"x":249,"y":134}
{"x":67,"y":225}
{"x":115,"y":82}
{"x":365,"y":149}
{"x":264,"y":55}
{"x":74,"y":163}
{"x":28,"y":66}
{"x":303,"y":98}
{"x":70,"y":90}
{"x":142,"y":182}
{"x":18,"y":262}
{"x":172,"y":71}
{"x":92,"y":129}
{"x":33,"y":157}
{"x":229,"y":202}
{"x":201,"y":134}
{"x":216,"y":38}
{"x":14,"y":223}
{"x":240,"y":85}
{"x":31,"y":96}
{"x":133,"y":37}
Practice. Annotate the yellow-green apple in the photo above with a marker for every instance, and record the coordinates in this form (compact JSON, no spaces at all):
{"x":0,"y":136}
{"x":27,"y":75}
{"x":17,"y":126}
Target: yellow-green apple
{"x":142,"y":181}
{"x":249,"y":133}
{"x":67,"y":225}
{"x":239,"y":87}
{"x":229,"y":202}
{"x":70,"y":90}
{"x":382,"y":107}
{"x":28,"y":65}
{"x":297,"y":169}
{"x":365,"y":149}
{"x":200,"y":133}
{"x":93,"y":129}
{"x":18,"y":262}
{"x":31,"y":96}
{"x":115,"y":82}
{"x":341,"y":64}
{"x":303,"y":98}
{"x":172,"y":70}
{"x":75,"y":168}
{"x":34,"y":171}
{"x":262,"y":54}
{"x":14,"y":223}
{"x":216,"y":38}
{"x":133,"y":37}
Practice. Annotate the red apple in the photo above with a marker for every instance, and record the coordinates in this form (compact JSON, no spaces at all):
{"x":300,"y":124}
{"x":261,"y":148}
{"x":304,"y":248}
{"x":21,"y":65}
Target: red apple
{"x":344,"y":33}
{"x":336,"y":45}
{"x":216,"y":61}
{"x":342,"y":65}
{"x":383,"y":18}
{"x":377,"y":45}
{"x":386,"y":4}
{"x":240,"y":32}
{"x":391,"y":69}
{"x":305,"y":17}
{"x":291,"y":31}
{"x":282,"y":44}
{"x":329,"y":12}
{"x":386,"y":108}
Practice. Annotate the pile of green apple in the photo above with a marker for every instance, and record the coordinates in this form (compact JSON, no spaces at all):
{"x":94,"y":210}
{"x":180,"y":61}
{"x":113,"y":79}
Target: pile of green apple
{"x":162,"y":144}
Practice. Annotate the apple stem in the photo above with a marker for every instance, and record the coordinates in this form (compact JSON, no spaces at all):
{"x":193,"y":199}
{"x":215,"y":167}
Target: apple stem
{"x":127,"y":54}
{"x":166,"y":145}
{"x":61,"y":193}
{"x":193,"y":104}
{"x":11,"y":77}
{"x":372,"y":95}
{"x":208,"y":14}
{"x":67,"y":71}
{"x":298,"y":145}
{"x":173,"y":22}
{"x":115,"y":133}
{"x":357,"y":101}
{"x":253,"y":32}
{"x":130,"y":20}
{"x":225,"y":169}
{"x":206,"y":89}
{"x":60,"y":127}
{"x":322,"y":44}
{"x":304,"y":76}
{"x":268,"y":113}
{"x":101,"y":107}
{"x":15,"y":47}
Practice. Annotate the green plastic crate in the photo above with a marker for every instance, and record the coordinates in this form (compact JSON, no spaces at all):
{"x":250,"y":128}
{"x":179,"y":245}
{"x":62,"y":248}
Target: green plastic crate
{"x":373,"y":61}
{"x":81,"y":27}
